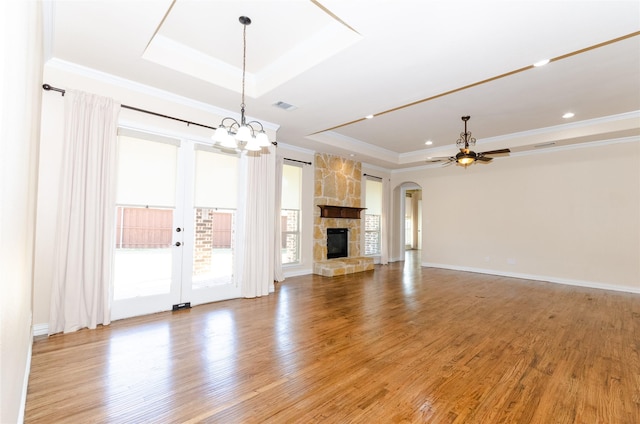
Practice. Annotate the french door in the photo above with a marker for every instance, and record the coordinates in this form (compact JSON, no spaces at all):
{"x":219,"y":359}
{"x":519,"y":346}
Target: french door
{"x":175,"y":225}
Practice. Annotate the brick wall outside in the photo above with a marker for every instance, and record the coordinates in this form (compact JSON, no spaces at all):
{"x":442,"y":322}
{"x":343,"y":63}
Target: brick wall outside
{"x":213,"y":230}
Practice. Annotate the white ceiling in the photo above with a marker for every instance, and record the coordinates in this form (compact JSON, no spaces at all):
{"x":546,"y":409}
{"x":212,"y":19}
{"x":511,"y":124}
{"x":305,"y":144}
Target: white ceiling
{"x":419,"y":65}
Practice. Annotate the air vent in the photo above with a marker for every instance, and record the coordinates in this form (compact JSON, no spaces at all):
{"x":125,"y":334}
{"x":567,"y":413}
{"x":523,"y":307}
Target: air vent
{"x":285,"y":106}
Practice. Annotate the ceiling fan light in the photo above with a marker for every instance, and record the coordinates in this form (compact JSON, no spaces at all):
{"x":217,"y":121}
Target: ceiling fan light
{"x":466,"y":157}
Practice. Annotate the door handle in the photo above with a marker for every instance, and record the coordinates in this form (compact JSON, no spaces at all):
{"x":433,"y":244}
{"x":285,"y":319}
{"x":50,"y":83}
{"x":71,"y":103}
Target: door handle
{"x":178,"y":243}
{"x":178,"y":229}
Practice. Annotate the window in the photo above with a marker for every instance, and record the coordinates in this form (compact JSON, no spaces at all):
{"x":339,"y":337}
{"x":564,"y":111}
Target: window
{"x":290,"y":213}
{"x":373,"y":217}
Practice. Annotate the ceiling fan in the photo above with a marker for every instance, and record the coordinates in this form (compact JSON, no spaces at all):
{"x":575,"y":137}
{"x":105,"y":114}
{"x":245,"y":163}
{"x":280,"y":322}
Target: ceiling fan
{"x":466,"y":156}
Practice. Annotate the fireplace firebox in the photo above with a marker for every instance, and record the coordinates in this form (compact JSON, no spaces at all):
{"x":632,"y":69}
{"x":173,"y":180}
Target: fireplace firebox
{"x":337,"y":243}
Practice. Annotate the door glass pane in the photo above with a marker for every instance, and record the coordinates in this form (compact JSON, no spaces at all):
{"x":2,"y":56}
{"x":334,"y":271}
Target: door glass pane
{"x":216,"y":179}
{"x":143,"y":252}
{"x":146,"y":172}
{"x":146,"y":193}
{"x":214,"y":213}
{"x":213,"y":247}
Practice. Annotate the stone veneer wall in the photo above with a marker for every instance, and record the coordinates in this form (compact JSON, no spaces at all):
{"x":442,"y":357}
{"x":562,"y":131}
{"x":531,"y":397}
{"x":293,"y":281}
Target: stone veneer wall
{"x":337,"y":183}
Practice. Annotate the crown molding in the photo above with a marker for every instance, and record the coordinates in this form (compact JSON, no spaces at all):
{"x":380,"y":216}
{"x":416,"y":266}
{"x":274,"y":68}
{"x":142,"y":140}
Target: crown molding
{"x":334,"y":139}
{"x":144,"y":89}
{"x":296,"y":148}
{"x":552,"y":149}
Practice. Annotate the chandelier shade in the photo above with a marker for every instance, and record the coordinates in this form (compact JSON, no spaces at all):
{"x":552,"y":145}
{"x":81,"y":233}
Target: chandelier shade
{"x":241,"y":135}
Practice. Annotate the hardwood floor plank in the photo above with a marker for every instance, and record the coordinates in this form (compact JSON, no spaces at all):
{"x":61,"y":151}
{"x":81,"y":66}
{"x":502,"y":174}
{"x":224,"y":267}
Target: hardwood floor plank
{"x":401,"y":344}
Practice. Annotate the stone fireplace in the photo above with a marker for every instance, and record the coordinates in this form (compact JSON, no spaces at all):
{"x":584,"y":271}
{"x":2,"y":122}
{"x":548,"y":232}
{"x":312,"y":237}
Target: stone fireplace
{"x":337,"y":196}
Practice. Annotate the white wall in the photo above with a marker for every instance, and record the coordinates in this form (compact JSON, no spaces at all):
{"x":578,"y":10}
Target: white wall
{"x":20,"y":73}
{"x":570,"y":216}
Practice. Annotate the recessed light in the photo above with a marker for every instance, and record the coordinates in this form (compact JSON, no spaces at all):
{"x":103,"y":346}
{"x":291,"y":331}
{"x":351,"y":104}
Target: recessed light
{"x":568,"y":115}
{"x":428,"y":142}
{"x":541,"y":63}
{"x":369,"y":116}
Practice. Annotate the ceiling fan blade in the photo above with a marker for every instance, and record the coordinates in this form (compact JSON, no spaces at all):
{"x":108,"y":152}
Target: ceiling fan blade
{"x":496,"y":152}
{"x":483,"y":158}
{"x":439,"y":159}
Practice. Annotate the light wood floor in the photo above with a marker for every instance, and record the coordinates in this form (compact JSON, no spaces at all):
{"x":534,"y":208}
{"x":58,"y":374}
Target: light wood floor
{"x":400,"y":344}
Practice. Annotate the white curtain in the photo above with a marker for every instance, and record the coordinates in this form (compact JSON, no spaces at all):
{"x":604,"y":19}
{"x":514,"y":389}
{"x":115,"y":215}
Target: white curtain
{"x":278,"y":275}
{"x":384,"y":222}
{"x":255,"y":250}
{"x":80,"y":293}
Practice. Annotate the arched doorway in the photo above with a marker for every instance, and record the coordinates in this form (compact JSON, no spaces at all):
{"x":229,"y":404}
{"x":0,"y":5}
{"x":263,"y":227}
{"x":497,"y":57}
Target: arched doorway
{"x":409,"y":224}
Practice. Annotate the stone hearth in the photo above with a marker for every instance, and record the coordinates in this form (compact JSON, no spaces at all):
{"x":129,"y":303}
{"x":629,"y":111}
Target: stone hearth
{"x":342,"y":266}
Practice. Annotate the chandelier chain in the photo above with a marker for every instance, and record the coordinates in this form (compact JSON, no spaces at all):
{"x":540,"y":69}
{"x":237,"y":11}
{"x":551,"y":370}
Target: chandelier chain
{"x":242,"y":135}
{"x":244,"y":61}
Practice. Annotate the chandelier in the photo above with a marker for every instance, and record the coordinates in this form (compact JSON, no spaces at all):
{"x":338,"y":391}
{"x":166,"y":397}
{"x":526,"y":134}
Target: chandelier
{"x":241,"y":135}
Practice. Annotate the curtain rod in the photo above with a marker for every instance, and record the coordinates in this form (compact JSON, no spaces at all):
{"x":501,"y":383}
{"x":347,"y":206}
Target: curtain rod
{"x":60,"y":90}
{"x":372,"y":176}
{"x":299,"y":161}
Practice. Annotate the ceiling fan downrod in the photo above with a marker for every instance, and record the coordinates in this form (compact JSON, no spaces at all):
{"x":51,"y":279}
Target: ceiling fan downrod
{"x":465,"y":140}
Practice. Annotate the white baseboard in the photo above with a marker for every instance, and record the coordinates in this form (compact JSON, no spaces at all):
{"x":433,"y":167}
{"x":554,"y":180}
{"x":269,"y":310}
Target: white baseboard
{"x":40,"y":329}
{"x":297,"y":272}
{"x":545,"y":278}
